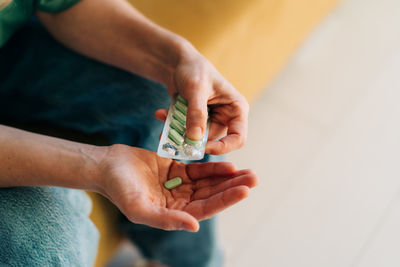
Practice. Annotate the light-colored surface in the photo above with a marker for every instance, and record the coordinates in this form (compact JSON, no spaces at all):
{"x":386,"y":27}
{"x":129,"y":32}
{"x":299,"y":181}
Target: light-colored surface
{"x":325,"y":142}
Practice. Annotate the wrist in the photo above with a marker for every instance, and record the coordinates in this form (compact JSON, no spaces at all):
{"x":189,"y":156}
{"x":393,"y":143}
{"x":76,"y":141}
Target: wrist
{"x":179,"y":50}
{"x":93,"y":156}
{"x":172,"y":52}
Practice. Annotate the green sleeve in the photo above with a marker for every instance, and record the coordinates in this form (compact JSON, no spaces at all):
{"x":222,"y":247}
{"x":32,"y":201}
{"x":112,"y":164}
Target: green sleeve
{"x":54,"y":6}
{"x":19,"y":12}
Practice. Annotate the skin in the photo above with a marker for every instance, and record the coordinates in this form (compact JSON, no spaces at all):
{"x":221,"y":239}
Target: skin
{"x":113,"y":32}
{"x":132,"y":178}
{"x":132,"y":42}
{"x":207,"y":188}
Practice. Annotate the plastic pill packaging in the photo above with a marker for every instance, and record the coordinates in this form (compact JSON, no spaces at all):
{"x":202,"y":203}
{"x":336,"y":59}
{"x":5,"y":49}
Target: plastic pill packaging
{"x":174,"y":143}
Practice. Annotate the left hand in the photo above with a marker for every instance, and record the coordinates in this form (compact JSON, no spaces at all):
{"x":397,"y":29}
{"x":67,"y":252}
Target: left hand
{"x":133,"y":179}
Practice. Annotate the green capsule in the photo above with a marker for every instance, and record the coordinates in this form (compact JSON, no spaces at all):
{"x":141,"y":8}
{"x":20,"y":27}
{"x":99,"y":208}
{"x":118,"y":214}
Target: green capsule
{"x":182,"y":100}
{"x":193,"y":143}
{"x":181,"y":107}
{"x":171,"y":184}
{"x":175,"y":137}
{"x":177,"y":126}
{"x":180,"y":117}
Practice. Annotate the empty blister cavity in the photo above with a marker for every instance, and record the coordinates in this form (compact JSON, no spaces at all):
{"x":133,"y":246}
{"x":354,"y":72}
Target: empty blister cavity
{"x":174,"y":143}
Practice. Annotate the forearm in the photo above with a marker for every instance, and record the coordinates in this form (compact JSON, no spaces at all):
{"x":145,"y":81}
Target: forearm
{"x":28,"y":159}
{"x":113,"y":32}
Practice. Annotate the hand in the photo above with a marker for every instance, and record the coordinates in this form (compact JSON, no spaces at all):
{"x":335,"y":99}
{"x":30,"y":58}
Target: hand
{"x":133,"y":179}
{"x":201,"y":84}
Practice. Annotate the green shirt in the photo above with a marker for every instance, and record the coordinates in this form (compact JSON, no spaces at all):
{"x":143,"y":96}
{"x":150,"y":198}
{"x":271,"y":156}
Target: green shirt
{"x":18,"y":12}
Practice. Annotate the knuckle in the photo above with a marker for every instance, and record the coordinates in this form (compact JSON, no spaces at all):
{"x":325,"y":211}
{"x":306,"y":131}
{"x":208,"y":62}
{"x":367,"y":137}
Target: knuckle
{"x":246,"y":104}
{"x":243,"y":102}
{"x":252,"y":173}
{"x":197,"y":115}
{"x":192,"y":82}
{"x":216,"y":151}
{"x":242,"y":141}
{"x":195,"y":81}
{"x":223,"y":147}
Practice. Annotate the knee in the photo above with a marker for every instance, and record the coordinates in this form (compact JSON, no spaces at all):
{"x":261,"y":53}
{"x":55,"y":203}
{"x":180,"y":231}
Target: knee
{"x":46,"y":226}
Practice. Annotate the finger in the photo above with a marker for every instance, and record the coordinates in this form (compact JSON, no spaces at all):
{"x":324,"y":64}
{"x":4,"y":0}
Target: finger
{"x":167,"y":219}
{"x":161,"y":114}
{"x":196,"y":119}
{"x":249,"y":180}
{"x":209,"y":169}
{"x":235,"y":116}
{"x":217,"y":180}
{"x":217,"y":130}
{"x":235,"y":138}
{"x":206,"y":208}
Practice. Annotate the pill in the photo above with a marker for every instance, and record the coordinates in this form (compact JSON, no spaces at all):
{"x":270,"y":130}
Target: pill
{"x":171,"y":184}
{"x":180,"y":117}
{"x":175,"y":137}
{"x":181,"y":107}
{"x":182,"y":100}
{"x":177,"y":126}
{"x":192,"y":142}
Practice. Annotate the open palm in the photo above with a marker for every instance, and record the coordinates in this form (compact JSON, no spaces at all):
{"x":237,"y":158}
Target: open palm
{"x":133,"y":179}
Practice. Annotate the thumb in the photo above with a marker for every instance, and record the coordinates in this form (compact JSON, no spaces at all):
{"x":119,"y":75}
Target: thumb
{"x":196,"y":118}
{"x":170,"y":219}
{"x":166,"y":219}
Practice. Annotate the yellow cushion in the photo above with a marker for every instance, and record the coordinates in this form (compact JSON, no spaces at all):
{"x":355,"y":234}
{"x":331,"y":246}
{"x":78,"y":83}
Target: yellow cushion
{"x":105,"y":216}
{"x":247,"y":40}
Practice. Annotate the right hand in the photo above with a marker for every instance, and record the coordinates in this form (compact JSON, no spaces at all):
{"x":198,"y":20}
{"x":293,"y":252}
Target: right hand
{"x":199,"y":82}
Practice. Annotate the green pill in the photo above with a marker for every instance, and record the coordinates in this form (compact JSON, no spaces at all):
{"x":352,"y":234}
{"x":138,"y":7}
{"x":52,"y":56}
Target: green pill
{"x":182,"y":100}
{"x":179,"y":116}
{"x":181,"y":107}
{"x":193,"y":143}
{"x":177,"y":126}
{"x":175,"y":137}
{"x":171,"y":184}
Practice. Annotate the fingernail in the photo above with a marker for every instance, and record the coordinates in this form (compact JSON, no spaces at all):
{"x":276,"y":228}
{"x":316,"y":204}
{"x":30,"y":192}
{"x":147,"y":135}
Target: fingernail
{"x":195,"y":133}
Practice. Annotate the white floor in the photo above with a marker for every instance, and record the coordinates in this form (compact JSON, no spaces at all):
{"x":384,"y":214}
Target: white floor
{"x":325,"y":141}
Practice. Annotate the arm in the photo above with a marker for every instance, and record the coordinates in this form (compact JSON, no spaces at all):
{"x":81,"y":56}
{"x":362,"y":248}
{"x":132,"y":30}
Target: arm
{"x":28,"y":159}
{"x":131,"y":178}
{"x":113,"y":32}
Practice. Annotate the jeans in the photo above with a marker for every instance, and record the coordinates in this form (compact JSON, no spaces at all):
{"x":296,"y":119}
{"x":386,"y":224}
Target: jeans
{"x":46,"y":88}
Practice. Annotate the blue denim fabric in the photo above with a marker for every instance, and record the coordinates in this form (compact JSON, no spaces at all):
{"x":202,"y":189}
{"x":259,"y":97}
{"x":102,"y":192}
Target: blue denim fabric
{"x":46,"y":88}
{"x":46,"y":226}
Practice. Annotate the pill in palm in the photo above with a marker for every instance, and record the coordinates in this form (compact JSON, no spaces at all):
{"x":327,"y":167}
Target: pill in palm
{"x":171,"y":184}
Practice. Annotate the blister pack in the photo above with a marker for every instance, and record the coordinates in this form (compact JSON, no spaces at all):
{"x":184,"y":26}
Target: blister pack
{"x":173,"y":143}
